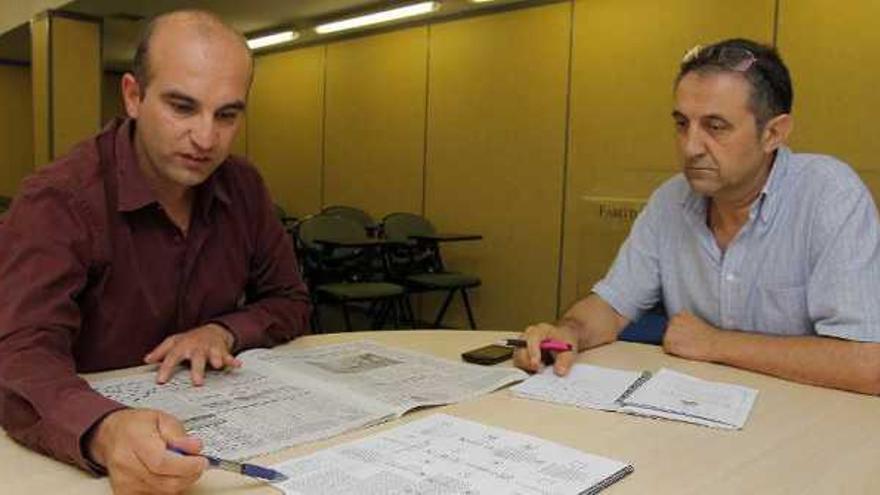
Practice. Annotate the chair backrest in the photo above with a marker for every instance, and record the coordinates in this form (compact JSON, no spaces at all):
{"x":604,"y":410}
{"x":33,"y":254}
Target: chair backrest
{"x":364,"y":219}
{"x":330,"y":228}
{"x":321,"y":264}
{"x":411,"y":257}
{"x":400,"y":226}
{"x":5,"y":202}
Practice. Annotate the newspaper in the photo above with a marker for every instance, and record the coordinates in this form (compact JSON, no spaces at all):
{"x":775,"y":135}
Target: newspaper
{"x":283,"y":398}
{"x":444,"y":454}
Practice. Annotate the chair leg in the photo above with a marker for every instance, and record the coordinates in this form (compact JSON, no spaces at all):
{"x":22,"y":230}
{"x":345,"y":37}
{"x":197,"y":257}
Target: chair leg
{"x":316,"y":319}
{"x":442,"y":313}
{"x":406,"y":311}
{"x":379,"y":316}
{"x":346,"y":316}
{"x":467,"y":306}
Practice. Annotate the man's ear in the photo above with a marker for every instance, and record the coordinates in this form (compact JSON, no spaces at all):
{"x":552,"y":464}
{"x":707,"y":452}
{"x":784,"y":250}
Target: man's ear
{"x":131,"y":95}
{"x":776,"y":132}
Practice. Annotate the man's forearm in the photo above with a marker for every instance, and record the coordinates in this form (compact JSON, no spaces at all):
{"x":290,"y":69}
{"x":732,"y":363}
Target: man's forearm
{"x":594,"y":322}
{"x":823,"y":361}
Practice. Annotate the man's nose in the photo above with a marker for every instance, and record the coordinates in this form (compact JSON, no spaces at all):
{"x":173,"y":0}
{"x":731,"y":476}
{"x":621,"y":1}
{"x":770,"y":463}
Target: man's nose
{"x":204,"y":133}
{"x":692,"y":142}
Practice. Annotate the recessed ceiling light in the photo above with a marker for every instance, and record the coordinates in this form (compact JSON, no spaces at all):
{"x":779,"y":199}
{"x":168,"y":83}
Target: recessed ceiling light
{"x":272,"y":39}
{"x":377,"y":17}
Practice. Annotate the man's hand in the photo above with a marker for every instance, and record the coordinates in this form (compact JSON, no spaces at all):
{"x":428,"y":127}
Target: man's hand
{"x":690,"y":337}
{"x":208,"y":344}
{"x":133,"y":445}
{"x":529,"y":357}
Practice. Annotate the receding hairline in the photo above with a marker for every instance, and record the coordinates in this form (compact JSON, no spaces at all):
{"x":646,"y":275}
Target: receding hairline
{"x":206,"y":24}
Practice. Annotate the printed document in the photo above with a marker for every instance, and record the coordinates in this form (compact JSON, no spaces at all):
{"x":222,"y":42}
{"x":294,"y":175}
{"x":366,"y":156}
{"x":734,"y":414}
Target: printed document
{"x":283,"y":398}
{"x":667,"y":394}
{"x":443,"y":454}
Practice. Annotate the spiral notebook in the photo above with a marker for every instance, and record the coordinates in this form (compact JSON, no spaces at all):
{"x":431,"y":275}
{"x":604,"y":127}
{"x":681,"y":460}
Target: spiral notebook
{"x":668,"y":394}
{"x":447,"y":454}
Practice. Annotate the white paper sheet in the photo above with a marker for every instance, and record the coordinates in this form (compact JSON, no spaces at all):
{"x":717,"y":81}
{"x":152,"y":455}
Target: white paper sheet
{"x":675,"y":395}
{"x":443,"y":454}
{"x":585,"y":385}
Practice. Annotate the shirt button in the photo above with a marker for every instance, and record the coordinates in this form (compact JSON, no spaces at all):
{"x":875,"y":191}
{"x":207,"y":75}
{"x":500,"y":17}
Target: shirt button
{"x":730,"y":277}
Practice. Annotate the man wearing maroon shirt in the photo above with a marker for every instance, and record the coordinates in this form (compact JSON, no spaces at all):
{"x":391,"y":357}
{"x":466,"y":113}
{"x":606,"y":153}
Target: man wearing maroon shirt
{"x":146,"y":243}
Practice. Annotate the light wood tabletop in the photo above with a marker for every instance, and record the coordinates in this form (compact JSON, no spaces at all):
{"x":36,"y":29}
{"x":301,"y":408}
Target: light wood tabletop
{"x":799,"y":439}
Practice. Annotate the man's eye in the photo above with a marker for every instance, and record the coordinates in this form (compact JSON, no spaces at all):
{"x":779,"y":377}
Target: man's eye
{"x":717,"y":126}
{"x":227,"y":116}
{"x":182,"y":108}
{"x":681,"y":125}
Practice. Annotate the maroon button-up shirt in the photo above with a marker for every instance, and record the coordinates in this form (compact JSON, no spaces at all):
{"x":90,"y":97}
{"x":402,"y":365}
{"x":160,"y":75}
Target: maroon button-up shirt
{"x":93,"y":275}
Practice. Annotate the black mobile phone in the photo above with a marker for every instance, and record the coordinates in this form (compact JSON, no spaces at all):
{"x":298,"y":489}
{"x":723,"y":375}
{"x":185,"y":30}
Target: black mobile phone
{"x":490,"y":354}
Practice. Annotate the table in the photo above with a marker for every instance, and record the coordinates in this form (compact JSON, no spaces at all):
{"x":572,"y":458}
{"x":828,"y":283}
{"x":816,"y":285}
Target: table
{"x":799,"y":439}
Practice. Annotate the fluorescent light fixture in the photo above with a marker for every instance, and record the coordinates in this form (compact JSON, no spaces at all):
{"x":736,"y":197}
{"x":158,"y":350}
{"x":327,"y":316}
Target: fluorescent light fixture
{"x":377,"y":17}
{"x":481,"y":1}
{"x":272,"y":39}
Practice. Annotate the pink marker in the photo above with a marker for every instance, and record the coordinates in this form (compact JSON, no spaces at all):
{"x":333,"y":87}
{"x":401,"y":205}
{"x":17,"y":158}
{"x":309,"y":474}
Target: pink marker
{"x":546,"y":345}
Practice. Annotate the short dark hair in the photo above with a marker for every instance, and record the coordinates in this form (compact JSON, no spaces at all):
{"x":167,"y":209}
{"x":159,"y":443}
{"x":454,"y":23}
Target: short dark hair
{"x":140,"y":66}
{"x":761,"y":65}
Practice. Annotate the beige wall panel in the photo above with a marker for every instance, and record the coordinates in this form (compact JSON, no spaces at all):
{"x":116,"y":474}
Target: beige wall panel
{"x":496,"y":133}
{"x":16,"y":127}
{"x":625,"y":57}
{"x":76,"y":81}
{"x":40,"y":89}
{"x":284,"y":131}
{"x":833,"y":52}
{"x":375,"y":122}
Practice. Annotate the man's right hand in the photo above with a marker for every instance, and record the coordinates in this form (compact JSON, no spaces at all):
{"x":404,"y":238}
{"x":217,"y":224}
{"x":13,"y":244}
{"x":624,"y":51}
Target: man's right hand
{"x":133,"y":445}
{"x":529,"y":357}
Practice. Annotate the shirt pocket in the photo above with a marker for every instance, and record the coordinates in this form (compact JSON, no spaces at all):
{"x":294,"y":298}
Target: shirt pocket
{"x":782,"y":310}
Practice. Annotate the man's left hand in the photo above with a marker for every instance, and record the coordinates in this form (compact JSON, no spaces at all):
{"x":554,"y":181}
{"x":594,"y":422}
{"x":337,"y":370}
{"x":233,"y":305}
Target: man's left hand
{"x":207,"y":344}
{"x":690,"y":337}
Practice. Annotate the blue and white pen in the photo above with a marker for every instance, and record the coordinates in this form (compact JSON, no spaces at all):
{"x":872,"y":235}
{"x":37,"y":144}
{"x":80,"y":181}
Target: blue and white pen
{"x":244,"y":468}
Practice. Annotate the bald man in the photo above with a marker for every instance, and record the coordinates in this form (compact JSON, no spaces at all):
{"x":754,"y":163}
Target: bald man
{"x":147,"y":243}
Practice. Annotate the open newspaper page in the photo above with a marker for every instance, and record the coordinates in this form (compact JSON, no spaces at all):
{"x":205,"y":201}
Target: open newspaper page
{"x":249,"y":411}
{"x":399,"y":378}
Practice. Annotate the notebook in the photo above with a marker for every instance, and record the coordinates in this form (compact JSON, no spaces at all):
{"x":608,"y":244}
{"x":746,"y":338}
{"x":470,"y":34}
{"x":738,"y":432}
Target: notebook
{"x":447,"y":454}
{"x":668,"y":394}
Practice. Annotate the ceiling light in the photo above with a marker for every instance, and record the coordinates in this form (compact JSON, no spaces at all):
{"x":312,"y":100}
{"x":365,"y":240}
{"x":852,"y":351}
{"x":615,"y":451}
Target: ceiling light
{"x":272,"y":39}
{"x":481,"y":1}
{"x":377,"y":17}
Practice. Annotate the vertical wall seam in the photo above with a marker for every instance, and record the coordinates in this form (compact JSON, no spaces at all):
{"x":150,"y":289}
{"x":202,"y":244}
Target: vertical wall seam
{"x":323,"y":127}
{"x":424,"y":206}
{"x":776,"y":23}
{"x":50,"y":105}
{"x":566,"y":156}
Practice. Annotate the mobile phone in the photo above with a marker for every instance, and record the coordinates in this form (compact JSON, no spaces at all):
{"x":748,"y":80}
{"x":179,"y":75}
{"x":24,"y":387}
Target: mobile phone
{"x":490,"y":354}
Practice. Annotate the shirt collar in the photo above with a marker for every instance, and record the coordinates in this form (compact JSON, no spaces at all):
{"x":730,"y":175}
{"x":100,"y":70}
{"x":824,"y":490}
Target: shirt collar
{"x":134,"y":191}
{"x":768,"y":200}
{"x":770,"y":194}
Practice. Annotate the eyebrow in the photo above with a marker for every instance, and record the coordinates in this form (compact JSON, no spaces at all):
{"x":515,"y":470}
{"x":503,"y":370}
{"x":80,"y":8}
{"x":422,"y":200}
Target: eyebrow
{"x":177,"y":95}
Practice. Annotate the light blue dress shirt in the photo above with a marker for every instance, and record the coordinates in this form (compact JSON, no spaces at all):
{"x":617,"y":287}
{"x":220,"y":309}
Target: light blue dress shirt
{"x":807,"y":262}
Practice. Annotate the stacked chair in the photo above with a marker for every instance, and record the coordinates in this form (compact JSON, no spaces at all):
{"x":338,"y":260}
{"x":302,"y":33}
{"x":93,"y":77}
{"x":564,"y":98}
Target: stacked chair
{"x":344,"y":266}
{"x":415,"y":262}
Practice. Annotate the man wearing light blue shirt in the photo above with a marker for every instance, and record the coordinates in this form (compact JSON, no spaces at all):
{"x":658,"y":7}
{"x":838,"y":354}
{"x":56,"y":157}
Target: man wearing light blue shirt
{"x":766,"y":259}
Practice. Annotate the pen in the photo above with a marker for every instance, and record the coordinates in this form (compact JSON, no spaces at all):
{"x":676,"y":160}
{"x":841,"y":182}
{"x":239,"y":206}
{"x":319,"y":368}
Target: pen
{"x":546,"y":345}
{"x":251,"y":470}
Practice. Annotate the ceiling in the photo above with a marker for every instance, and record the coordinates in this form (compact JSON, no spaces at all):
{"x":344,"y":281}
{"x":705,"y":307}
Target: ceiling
{"x":124,"y":19}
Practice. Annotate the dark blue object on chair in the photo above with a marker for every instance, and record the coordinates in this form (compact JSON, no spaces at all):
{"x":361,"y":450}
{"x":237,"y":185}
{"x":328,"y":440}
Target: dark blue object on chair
{"x":649,"y":329}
